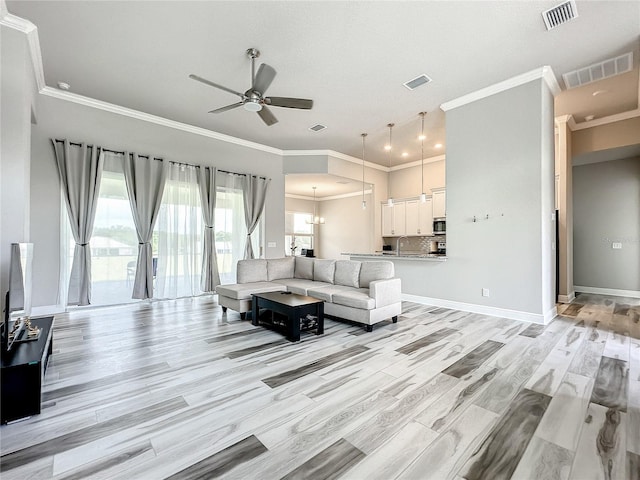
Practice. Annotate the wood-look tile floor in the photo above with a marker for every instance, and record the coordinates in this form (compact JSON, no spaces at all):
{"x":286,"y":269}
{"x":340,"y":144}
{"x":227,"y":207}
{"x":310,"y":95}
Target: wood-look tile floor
{"x":179,"y":390}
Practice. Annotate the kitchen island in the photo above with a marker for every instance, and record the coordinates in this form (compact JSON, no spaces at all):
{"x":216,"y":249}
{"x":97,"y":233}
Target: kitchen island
{"x":429,"y":257}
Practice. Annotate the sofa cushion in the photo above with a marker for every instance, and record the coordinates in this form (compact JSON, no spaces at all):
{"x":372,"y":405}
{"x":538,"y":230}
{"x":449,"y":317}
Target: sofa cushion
{"x":326,"y":292}
{"x":355,"y":298}
{"x":323,"y":270}
{"x":254,"y":270}
{"x":300,"y":285}
{"x":347,"y":273}
{"x":375,"y":270}
{"x":280,"y":268}
{"x":243,"y":291}
{"x":303,"y":268}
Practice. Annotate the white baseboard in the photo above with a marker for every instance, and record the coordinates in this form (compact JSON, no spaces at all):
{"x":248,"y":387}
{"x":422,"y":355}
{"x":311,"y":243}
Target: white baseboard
{"x":483,"y":309}
{"x":567,"y":298}
{"x":608,"y":291}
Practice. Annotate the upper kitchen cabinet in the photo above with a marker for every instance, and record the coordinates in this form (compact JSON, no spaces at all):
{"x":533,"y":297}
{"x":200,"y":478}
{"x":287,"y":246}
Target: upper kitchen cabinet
{"x":439,"y":202}
{"x":419,"y":218}
{"x":394,"y":219}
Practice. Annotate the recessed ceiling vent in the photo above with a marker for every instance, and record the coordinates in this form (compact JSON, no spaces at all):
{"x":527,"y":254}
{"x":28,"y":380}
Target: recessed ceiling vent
{"x":317,"y":127}
{"x":599,"y":71}
{"x":560,"y":14}
{"x":417,"y":82}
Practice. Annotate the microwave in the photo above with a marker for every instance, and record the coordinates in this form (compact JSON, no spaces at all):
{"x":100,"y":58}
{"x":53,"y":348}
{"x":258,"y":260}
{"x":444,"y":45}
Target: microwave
{"x":439,"y":226}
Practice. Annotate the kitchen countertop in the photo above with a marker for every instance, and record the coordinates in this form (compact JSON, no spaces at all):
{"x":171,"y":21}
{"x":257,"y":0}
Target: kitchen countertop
{"x":433,"y":257}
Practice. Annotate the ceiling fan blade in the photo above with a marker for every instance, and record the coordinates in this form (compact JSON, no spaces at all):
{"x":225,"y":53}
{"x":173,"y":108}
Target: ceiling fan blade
{"x":228,"y":107}
{"x":267,"y":117}
{"x":211,"y":84}
{"x":289,"y":102}
{"x":263,"y":79}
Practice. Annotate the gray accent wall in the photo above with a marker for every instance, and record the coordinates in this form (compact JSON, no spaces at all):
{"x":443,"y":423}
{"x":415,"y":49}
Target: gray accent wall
{"x":499,"y":163}
{"x":62,"y":119}
{"x":17,"y":92}
{"x":606,"y":209}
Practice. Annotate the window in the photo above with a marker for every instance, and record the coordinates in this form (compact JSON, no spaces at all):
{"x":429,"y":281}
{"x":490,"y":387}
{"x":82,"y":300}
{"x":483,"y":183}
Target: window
{"x":298,"y":232}
{"x":114,"y":242}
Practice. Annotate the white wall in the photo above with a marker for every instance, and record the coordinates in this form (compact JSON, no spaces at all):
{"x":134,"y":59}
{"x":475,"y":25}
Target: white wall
{"x":348,"y":227}
{"x":17,"y":91}
{"x":499,"y":162}
{"x":606,"y":210}
{"x":407,"y":182}
{"x":63,"y":119}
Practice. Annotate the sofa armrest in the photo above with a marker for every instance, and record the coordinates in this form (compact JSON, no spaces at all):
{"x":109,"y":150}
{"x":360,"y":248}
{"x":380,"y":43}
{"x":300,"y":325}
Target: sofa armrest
{"x":386,"y":292}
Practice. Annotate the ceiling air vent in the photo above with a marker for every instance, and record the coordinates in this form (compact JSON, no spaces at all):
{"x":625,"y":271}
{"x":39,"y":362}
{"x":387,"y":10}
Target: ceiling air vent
{"x":560,"y":14}
{"x":317,"y":127}
{"x":416,"y":82}
{"x":598,"y":71}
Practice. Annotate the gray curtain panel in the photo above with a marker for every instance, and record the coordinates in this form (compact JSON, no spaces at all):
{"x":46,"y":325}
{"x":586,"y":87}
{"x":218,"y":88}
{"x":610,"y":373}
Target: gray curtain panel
{"x":80,"y":169}
{"x":254,"y":194}
{"x":145,"y":178}
{"x":210,"y":277}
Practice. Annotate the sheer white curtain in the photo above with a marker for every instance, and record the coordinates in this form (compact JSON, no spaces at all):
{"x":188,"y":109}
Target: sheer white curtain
{"x":180,"y":233}
{"x":231,"y":229}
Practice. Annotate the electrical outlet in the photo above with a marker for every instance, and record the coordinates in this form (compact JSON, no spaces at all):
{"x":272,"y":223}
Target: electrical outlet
{"x":271,"y":244}
{"x":616,"y":245}
{"x":485,"y":292}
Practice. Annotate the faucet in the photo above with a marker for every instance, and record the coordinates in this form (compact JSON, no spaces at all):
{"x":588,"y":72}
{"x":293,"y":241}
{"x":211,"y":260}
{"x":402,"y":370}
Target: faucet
{"x":398,"y":243}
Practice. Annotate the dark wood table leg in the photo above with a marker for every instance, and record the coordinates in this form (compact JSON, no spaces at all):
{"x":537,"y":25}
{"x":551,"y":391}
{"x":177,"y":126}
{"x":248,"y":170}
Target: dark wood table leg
{"x":254,"y":311}
{"x":320,"y":329}
{"x":294,"y":324}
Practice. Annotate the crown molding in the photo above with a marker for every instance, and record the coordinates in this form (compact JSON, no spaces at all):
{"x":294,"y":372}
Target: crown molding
{"x":331,"y":197}
{"x":146,"y":117}
{"x":545,"y":73}
{"x":31,"y":31}
{"x":418,"y":163}
{"x":333,"y":153}
{"x":618,"y":117}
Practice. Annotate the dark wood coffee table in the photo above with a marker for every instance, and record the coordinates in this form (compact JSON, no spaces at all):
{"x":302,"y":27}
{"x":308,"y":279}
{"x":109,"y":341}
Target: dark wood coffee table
{"x":292,"y":307}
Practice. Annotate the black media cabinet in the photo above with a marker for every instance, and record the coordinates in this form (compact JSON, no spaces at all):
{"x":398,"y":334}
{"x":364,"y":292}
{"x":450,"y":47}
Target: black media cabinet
{"x":23,"y":369}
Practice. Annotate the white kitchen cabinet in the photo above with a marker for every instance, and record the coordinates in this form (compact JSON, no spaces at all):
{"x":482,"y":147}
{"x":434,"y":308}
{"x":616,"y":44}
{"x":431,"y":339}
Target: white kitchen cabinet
{"x":394,"y":219}
{"x":412,"y":220}
{"x":387,"y":220}
{"x":425,"y":217}
{"x":439,"y":203}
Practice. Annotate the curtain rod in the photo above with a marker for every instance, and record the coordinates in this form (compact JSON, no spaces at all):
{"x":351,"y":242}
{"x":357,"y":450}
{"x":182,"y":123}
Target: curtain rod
{"x":157,"y":158}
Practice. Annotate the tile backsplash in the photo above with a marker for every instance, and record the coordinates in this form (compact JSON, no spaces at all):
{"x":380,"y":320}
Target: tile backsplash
{"x":413,"y":244}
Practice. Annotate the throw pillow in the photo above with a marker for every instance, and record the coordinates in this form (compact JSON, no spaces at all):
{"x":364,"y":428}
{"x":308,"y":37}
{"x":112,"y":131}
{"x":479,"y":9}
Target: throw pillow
{"x":250,"y":271}
{"x":347,"y":273}
{"x":376,"y":270}
{"x":278,"y":268}
{"x":323,"y":270}
{"x":304,"y":268}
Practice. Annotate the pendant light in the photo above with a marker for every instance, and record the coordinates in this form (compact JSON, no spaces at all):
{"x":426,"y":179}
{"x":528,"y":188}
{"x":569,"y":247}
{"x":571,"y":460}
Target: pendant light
{"x":316,"y":219}
{"x":423,"y":196}
{"x":364,"y":202}
{"x":388,"y":149}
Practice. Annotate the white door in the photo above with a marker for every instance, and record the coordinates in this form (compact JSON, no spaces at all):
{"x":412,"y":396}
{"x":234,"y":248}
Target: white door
{"x":387,"y":220}
{"x":399,"y":219}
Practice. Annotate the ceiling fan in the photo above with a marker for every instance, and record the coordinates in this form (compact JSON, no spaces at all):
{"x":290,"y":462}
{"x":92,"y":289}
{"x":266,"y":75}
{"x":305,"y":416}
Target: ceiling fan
{"x":253,"y":99}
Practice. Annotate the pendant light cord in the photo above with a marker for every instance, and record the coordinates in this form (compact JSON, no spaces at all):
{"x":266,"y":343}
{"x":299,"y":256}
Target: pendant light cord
{"x":422,"y":151}
{"x":363,"y":137}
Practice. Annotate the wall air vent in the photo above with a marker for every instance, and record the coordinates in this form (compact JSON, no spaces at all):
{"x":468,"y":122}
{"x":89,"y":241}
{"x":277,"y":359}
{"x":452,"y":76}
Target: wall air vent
{"x":417,"y":82}
{"x":317,"y":127}
{"x":599,"y":71}
{"x":560,"y":14}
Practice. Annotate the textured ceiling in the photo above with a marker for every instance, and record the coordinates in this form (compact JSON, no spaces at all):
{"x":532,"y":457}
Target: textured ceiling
{"x":351,"y":58}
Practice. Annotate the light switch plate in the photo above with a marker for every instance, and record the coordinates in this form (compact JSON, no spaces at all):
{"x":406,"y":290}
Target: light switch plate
{"x":485,"y":292}
{"x":271,"y":244}
{"x":616,"y":245}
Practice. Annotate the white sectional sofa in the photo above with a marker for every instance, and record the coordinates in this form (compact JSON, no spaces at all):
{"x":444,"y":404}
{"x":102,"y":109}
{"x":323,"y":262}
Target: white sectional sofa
{"x":363,"y":292}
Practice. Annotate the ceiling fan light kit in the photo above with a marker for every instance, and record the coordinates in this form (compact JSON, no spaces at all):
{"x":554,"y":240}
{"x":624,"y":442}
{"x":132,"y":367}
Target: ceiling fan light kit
{"x":253,"y":100}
